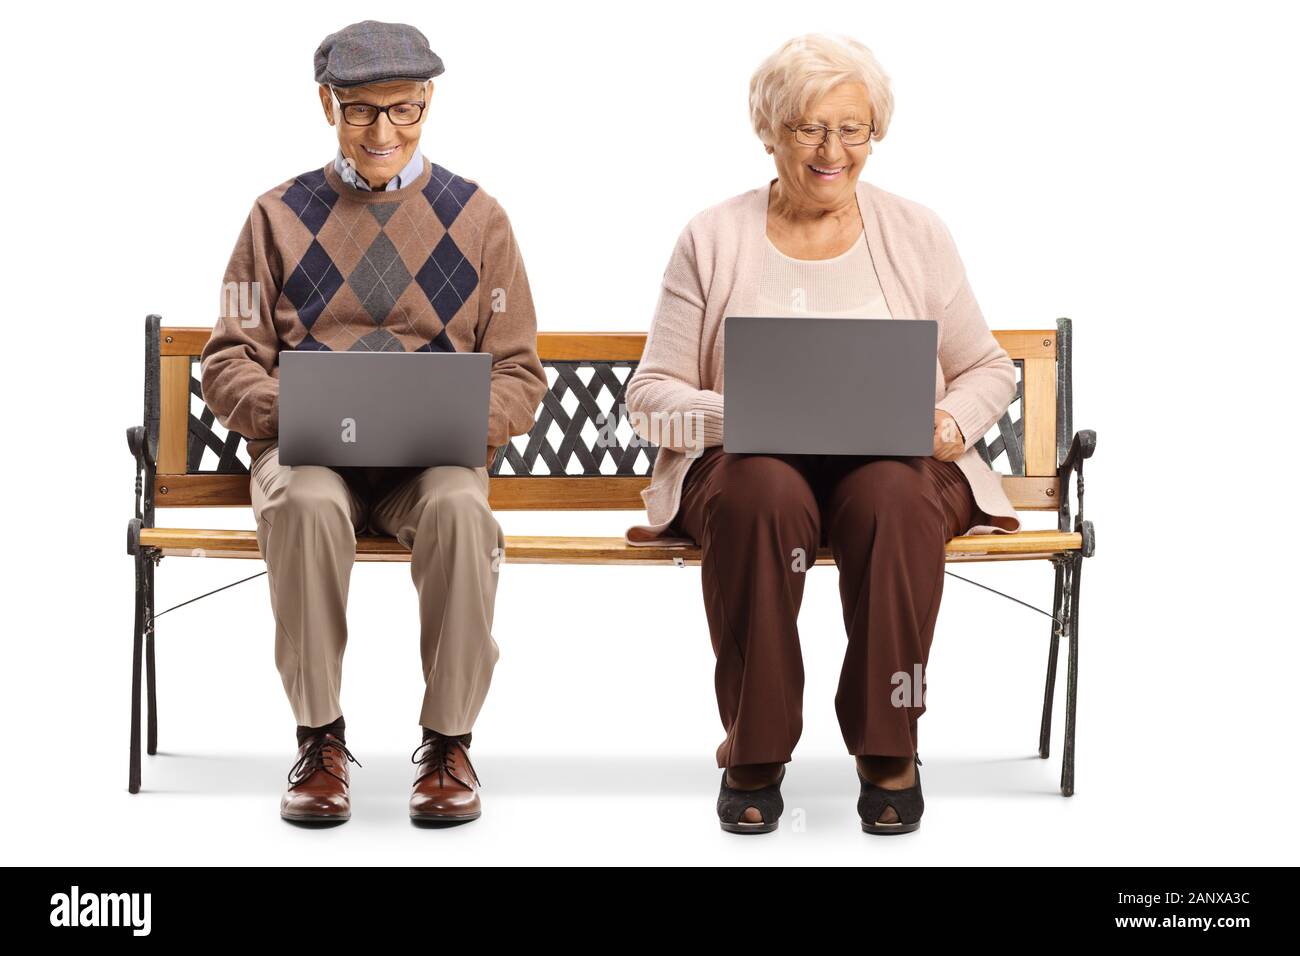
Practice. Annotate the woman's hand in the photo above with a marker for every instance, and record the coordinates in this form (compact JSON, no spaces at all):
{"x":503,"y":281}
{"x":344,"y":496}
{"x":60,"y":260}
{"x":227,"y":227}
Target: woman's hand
{"x":949,"y":443}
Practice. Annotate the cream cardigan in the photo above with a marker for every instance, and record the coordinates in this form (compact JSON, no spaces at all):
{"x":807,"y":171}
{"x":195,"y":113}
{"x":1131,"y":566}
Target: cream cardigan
{"x":714,"y":272}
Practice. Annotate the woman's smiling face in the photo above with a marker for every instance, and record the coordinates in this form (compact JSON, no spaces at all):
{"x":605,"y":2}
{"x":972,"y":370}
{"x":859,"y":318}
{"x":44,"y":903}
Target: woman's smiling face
{"x":825,"y":177}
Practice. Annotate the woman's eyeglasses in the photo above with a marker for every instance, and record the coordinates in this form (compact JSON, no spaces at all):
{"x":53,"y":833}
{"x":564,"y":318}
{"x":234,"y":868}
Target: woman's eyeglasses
{"x":814,"y":134}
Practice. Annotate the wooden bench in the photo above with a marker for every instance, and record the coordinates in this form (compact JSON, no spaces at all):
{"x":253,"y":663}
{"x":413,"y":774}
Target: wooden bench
{"x":185,"y":459}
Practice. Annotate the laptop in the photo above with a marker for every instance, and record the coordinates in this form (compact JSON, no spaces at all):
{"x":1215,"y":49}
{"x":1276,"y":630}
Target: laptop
{"x":832,"y":386}
{"x":396,"y":409}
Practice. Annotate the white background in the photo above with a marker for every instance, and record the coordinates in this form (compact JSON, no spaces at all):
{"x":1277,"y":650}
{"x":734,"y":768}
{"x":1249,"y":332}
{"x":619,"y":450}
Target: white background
{"x":1128,"y":165}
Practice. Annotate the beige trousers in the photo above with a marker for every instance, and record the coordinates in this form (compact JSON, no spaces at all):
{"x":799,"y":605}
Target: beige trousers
{"x":308,"y":517}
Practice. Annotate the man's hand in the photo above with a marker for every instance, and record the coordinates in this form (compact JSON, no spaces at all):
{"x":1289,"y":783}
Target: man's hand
{"x":949,"y":443}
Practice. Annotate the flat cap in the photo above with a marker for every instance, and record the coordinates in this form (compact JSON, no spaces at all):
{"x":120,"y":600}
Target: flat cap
{"x":372,"y":52}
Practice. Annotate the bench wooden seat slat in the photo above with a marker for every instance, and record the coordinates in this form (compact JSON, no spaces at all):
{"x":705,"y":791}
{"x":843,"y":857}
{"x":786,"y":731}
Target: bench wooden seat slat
{"x":554,"y":549}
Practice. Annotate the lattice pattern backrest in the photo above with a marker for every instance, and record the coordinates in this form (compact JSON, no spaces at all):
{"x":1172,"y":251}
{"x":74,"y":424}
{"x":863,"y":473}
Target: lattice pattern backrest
{"x":211,"y":448}
{"x":581,"y":430}
{"x":1003,"y":446}
{"x":581,"y":427}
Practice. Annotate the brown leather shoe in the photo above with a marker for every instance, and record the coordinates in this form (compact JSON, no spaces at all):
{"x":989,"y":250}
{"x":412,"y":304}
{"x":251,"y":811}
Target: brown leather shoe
{"x":318,"y":782}
{"x":446,"y":786}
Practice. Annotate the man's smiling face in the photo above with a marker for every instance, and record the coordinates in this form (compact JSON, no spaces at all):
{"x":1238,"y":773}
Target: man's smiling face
{"x":378,"y":151}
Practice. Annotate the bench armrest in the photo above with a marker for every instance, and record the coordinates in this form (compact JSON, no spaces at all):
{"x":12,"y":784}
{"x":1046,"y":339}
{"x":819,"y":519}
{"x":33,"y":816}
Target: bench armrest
{"x":1081,"y":449}
{"x":1084,"y":444}
{"x":137,"y":439}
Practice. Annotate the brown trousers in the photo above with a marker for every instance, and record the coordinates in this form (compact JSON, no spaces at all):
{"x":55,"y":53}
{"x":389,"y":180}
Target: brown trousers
{"x":308,"y":517}
{"x":759,"y":520}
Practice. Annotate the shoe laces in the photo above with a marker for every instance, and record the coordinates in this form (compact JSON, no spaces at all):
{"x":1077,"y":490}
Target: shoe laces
{"x":315,"y":758}
{"x":437,"y":757}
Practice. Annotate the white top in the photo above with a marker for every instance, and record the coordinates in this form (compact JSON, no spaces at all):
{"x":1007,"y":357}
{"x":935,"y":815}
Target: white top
{"x":843,"y":287}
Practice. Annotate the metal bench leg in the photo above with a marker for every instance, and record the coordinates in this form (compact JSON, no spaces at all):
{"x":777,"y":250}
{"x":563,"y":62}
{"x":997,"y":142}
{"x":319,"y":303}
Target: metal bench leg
{"x":1053,"y":652}
{"x":151,"y":672}
{"x":141,"y":612}
{"x":1072,"y":679}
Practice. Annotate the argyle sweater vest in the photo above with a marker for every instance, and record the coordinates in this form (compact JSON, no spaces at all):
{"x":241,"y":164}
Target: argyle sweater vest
{"x":319,"y":264}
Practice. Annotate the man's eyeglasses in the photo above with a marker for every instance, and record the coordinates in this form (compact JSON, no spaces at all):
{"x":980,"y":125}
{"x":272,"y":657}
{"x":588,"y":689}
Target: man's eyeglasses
{"x":814,"y":134}
{"x":365,"y":114}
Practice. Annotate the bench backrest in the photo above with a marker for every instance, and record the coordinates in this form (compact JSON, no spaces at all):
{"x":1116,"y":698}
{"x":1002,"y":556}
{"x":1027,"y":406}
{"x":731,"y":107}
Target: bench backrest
{"x":568,"y":460}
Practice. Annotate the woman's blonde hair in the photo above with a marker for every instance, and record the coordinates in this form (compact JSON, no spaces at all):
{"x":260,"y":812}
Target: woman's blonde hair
{"x":803,"y":70}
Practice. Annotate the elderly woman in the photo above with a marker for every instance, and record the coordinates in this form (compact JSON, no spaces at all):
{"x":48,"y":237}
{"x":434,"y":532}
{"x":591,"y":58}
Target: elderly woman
{"x":818,"y":241}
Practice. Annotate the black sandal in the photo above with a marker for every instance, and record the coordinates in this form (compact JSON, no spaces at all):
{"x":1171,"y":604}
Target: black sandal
{"x":907,"y":803}
{"x":733,"y":803}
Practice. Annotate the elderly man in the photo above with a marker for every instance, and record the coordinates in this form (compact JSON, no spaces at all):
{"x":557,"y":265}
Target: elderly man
{"x":379,"y":250}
